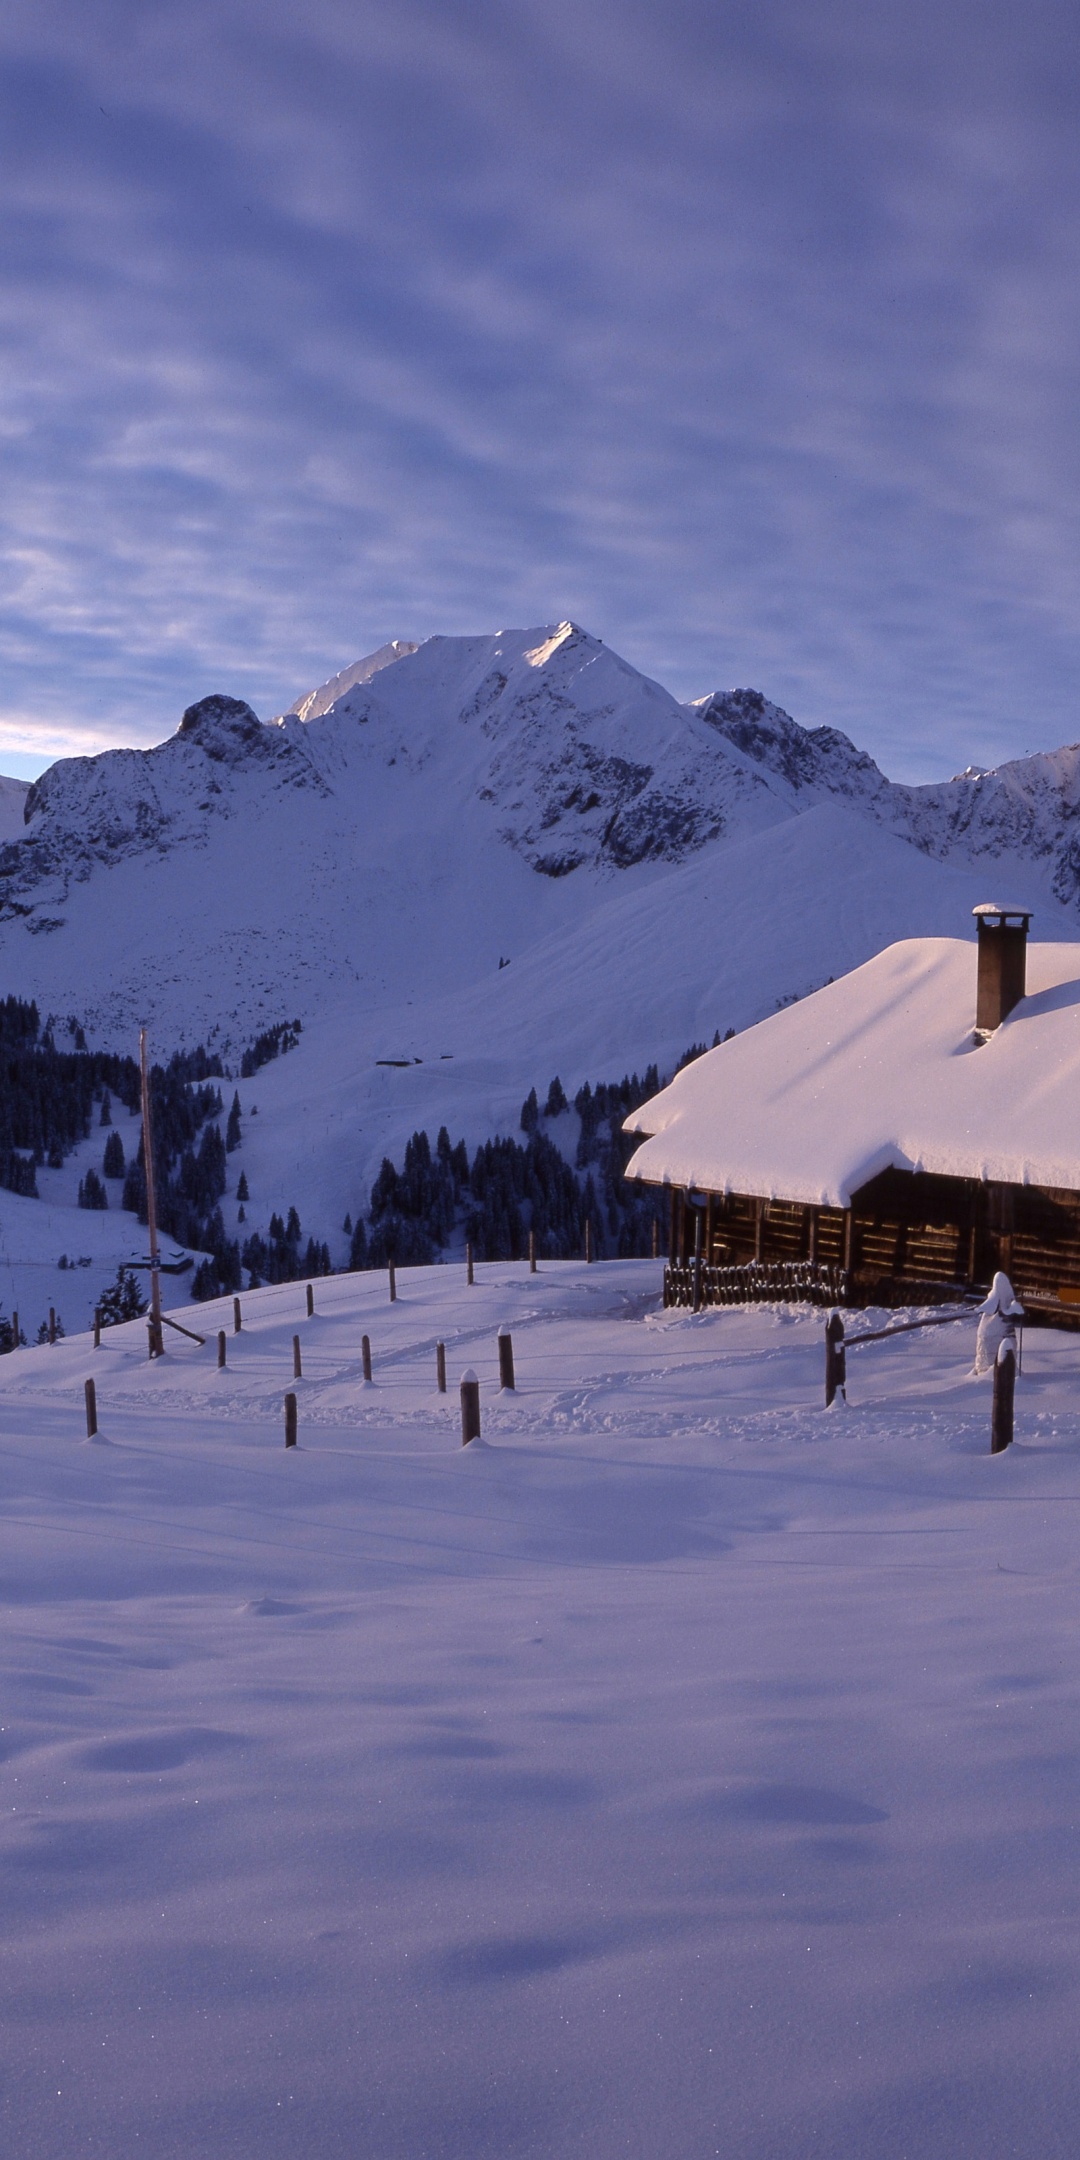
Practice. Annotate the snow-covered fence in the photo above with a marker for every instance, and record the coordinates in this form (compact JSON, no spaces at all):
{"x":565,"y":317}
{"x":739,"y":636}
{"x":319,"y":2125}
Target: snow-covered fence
{"x":837,"y":1343}
{"x":809,"y":1282}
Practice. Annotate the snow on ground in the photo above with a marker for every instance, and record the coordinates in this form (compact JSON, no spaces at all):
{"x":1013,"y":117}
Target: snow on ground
{"x":35,"y":1235}
{"x":684,"y":1769}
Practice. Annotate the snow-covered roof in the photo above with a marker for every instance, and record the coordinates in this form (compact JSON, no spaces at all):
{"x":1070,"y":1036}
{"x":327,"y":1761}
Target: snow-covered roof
{"x":881,"y":1069}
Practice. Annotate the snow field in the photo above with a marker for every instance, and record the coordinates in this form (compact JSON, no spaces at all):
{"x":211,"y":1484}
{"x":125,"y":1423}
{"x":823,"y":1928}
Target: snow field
{"x":683,"y":1769}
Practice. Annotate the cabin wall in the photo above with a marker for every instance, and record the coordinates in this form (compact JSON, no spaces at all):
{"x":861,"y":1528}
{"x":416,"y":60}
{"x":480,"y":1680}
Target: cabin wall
{"x":902,"y":1230}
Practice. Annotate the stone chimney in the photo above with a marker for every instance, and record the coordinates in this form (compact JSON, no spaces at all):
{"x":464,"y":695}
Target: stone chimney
{"x":1003,"y":936}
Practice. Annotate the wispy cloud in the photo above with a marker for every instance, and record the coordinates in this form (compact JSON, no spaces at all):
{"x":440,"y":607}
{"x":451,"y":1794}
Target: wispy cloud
{"x":746,"y":336}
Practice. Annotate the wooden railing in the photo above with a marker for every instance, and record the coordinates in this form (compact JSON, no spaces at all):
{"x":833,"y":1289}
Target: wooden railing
{"x":759,"y":1282}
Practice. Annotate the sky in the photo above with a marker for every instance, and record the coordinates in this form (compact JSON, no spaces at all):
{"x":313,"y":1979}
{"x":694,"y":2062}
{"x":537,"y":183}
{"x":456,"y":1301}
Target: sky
{"x":743,"y":334}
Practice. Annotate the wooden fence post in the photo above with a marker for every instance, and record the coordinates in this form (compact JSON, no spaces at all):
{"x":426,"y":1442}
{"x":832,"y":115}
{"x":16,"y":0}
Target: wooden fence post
{"x":588,"y":1240}
{"x":296,"y":1369}
{"x":221,"y":1349}
{"x":91,"y":1410}
{"x":14,"y":1330}
{"x":52,"y":1324}
{"x":393,"y":1284}
{"x":835,"y":1359}
{"x":532,"y":1252}
{"x":310,"y":1302}
{"x":470,"y":1407}
{"x":365,"y":1353}
{"x":655,"y":1238}
{"x":440,"y":1367}
{"x":468,"y":1265}
{"x":697,"y":1260}
{"x":1001,"y":1416}
{"x":97,"y":1328}
{"x":290,"y":1421}
{"x":506,"y":1360}
{"x":236,"y":1316}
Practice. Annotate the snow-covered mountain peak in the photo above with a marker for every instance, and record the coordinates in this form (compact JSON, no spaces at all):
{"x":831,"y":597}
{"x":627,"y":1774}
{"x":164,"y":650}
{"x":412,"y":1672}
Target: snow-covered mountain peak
{"x":225,"y":727}
{"x":315,"y":702}
{"x":13,"y":794}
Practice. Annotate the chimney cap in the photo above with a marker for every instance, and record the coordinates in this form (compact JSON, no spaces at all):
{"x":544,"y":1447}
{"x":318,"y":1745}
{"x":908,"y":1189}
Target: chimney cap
{"x":987,"y":908}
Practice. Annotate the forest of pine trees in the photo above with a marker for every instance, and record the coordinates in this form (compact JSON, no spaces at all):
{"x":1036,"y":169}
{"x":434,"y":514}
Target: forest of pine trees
{"x":439,"y":1196}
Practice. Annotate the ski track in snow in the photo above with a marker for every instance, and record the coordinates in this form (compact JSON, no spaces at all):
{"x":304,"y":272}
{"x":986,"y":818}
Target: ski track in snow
{"x":681,"y":1769}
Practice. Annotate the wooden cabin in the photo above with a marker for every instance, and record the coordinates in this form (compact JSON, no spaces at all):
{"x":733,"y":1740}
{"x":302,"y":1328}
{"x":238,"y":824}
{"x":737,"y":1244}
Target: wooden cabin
{"x":897,"y":1136}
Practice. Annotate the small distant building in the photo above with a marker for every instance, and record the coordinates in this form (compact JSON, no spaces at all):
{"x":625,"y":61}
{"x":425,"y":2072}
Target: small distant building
{"x":900,"y":1134}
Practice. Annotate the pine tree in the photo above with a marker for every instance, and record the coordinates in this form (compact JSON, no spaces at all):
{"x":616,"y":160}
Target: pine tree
{"x":347,"y":1225}
{"x":92,"y":1193}
{"x":106,"y":1107}
{"x":530,"y":1112}
{"x":242,"y":1192}
{"x":556,"y":1099}
{"x":113,"y":1164}
{"x":232,"y":1129}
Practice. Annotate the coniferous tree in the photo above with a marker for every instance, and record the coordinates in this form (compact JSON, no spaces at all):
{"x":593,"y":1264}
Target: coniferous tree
{"x":530,"y":1112}
{"x":123,"y":1300}
{"x":232,"y":1129}
{"x":113,"y":1164}
{"x":242,"y":1192}
{"x":556,"y":1099}
{"x":106,"y":1107}
{"x":92,"y":1193}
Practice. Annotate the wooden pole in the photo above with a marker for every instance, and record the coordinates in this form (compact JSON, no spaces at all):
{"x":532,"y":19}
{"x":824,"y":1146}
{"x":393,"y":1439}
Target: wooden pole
{"x":532,"y":1252}
{"x":393,"y":1284}
{"x":52,"y":1323}
{"x":97,"y":1329}
{"x":157,"y":1348}
{"x":91,"y":1410}
{"x":14,"y":1330}
{"x":835,"y":1359}
{"x":470,"y":1407}
{"x":236,"y":1323}
{"x":697,"y":1259}
{"x":588,"y":1240}
{"x":221,"y":1349}
{"x":365,"y":1352}
{"x":1001,"y":1416}
{"x":310,"y":1302}
{"x":655,"y":1238}
{"x":296,"y":1370}
{"x":290,"y":1421}
{"x":468,"y":1265}
{"x":440,"y":1367}
{"x":506,"y":1360}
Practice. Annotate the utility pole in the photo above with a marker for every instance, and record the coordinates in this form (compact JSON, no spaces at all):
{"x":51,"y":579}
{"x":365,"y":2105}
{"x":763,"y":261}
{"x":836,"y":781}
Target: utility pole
{"x":157,"y":1344}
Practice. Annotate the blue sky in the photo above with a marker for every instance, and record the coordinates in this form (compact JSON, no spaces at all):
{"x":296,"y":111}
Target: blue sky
{"x":745,"y":335}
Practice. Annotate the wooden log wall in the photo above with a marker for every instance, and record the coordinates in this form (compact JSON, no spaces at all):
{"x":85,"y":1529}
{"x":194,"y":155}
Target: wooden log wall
{"x":905,"y":1234}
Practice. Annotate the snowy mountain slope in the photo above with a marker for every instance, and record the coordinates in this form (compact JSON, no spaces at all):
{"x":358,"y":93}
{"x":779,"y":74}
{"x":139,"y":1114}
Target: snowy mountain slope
{"x":13,"y":794}
{"x":717,"y":942}
{"x":649,"y":871}
{"x":314,"y":702}
{"x":383,"y":849}
{"x":1029,"y":807}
